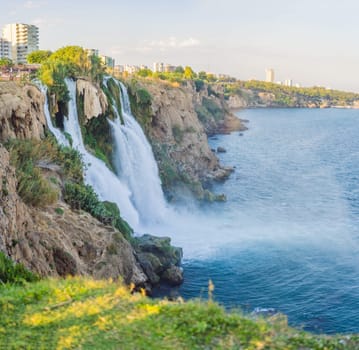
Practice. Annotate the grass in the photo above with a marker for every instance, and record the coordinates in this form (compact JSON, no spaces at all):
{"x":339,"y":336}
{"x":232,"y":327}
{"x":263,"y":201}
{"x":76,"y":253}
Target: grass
{"x":80,"y":313}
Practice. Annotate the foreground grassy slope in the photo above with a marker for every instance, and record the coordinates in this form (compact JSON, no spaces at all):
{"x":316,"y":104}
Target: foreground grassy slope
{"x":82,"y":313}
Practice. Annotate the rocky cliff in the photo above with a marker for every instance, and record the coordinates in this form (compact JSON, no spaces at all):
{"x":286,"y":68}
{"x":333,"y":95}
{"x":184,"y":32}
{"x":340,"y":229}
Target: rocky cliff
{"x":54,"y":239}
{"x":21,"y":111}
{"x":177,"y":120}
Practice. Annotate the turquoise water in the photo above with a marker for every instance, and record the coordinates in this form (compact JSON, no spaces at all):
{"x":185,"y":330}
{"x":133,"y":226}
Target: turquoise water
{"x":288,"y":236}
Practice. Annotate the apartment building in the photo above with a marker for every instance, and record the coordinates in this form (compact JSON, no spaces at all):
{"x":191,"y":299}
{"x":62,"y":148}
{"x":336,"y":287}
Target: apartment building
{"x":270,"y":75}
{"x":5,"y":48}
{"x":24,"y":39}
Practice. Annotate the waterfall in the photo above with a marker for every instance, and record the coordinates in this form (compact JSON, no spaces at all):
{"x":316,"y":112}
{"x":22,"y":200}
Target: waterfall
{"x":60,"y":137}
{"x":104,"y":182}
{"x":135,"y":163}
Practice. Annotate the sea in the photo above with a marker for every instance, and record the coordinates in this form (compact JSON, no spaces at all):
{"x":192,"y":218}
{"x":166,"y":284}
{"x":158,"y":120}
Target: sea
{"x":287,"y":238}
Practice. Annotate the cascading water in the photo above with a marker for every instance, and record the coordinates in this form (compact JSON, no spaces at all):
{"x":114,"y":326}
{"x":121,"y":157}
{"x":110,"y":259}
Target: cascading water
{"x":105,"y":183}
{"x":60,"y":137}
{"x":135,"y":163}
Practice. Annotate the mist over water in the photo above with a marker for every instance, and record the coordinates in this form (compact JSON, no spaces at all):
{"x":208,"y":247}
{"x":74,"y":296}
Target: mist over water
{"x":288,"y":236}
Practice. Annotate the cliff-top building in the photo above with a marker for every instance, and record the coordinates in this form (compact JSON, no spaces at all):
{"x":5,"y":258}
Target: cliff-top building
{"x":23,"y":38}
{"x":270,"y":75}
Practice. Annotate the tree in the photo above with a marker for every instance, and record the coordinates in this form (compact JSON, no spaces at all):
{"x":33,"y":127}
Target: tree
{"x":5,"y":63}
{"x":179,"y":70}
{"x":38,"y":56}
{"x":202,"y":75}
{"x":189,"y":73}
{"x":145,"y":73}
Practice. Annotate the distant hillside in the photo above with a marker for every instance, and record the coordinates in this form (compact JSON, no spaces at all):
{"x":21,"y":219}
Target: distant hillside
{"x":262,"y":94}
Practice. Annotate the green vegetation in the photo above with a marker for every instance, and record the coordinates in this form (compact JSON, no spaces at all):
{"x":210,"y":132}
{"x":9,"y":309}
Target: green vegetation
{"x":59,"y":211}
{"x":69,"y":61}
{"x":38,"y":56}
{"x":81,"y":196}
{"x":32,"y":187}
{"x":80,"y":313}
{"x":140,"y":100}
{"x":13,"y":273}
{"x":96,"y":134}
{"x":293,"y":96}
{"x":5,"y":62}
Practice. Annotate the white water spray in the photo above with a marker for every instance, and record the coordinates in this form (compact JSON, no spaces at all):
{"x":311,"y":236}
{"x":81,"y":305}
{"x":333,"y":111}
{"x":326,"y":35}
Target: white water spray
{"x":135,"y":163}
{"x":105,"y":183}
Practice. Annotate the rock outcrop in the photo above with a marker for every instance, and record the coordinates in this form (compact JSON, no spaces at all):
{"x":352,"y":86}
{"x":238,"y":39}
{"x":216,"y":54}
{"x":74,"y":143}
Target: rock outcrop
{"x":177,"y":122}
{"x":159,"y":259}
{"x":21,"y":111}
{"x":57,"y":241}
{"x":94,"y":99}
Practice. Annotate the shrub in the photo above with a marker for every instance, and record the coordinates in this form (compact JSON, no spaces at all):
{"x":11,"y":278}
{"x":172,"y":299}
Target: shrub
{"x":198,"y":84}
{"x":26,"y":155}
{"x":143,"y":97}
{"x":11,"y":272}
{"x":80,"y":196}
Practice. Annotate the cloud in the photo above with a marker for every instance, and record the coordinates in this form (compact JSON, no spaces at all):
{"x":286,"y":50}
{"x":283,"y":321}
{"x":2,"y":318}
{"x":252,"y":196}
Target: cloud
{"x":34,"y":4}
{"x":173,"y":43}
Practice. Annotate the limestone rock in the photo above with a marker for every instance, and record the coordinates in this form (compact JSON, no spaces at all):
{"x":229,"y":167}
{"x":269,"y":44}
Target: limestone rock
{"x":21,"y":111}
{"x":53,"y":244}
{"x":95,"y":100}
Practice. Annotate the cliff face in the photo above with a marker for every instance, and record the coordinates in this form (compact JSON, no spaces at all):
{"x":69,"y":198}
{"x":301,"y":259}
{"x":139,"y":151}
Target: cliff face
{"x":57,"y":241}
{"x":21,"y":112}
{"x":177,"y":122}
{"x":176,"y":125}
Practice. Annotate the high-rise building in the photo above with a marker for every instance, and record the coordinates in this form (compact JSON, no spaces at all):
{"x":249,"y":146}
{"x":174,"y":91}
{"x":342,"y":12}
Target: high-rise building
{"x":288,"y":82}
{"x":107,"y":61}
{"x":270,"y":75}
{"x":5,"y":48}
{"x":24,"y":39}
{"x":159,"y":67}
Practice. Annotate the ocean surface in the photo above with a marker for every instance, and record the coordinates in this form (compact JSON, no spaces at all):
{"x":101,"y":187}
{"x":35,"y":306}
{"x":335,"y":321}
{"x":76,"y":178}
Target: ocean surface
{"x":288,"y":235}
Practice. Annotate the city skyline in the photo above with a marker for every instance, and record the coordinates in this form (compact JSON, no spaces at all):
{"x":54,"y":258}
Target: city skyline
{"x":308,"y":42}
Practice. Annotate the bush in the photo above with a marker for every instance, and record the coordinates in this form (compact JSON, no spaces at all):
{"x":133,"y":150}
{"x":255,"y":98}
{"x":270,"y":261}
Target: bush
{"x":80,"y":196}
{"x":198,"y":84}
{"x":32,"y":187}
{"x":11,"y":272}
{"x":26,"y":156}
{"x":143,"y":97}
{"x":216,"y":111}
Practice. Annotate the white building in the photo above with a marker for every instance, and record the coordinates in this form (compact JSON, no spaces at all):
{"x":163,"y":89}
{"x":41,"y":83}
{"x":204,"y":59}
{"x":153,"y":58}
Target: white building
{"x":24,"y":39}
{"x":288,"y":82}
{"x":5,"y":48}
{"x":130,"y":69}
{"x":159,"y":67}
{"x":107,"y":61}
{"x":270,"y":75}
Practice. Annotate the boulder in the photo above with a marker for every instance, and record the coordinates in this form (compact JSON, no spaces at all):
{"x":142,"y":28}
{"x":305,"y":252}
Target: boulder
{"x":173,"y":276}
{"x":221,"y":149}
{"x":159,"y":259}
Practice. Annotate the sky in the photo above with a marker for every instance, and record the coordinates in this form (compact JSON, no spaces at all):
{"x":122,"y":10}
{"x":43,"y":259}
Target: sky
{"x":312,"y":42}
